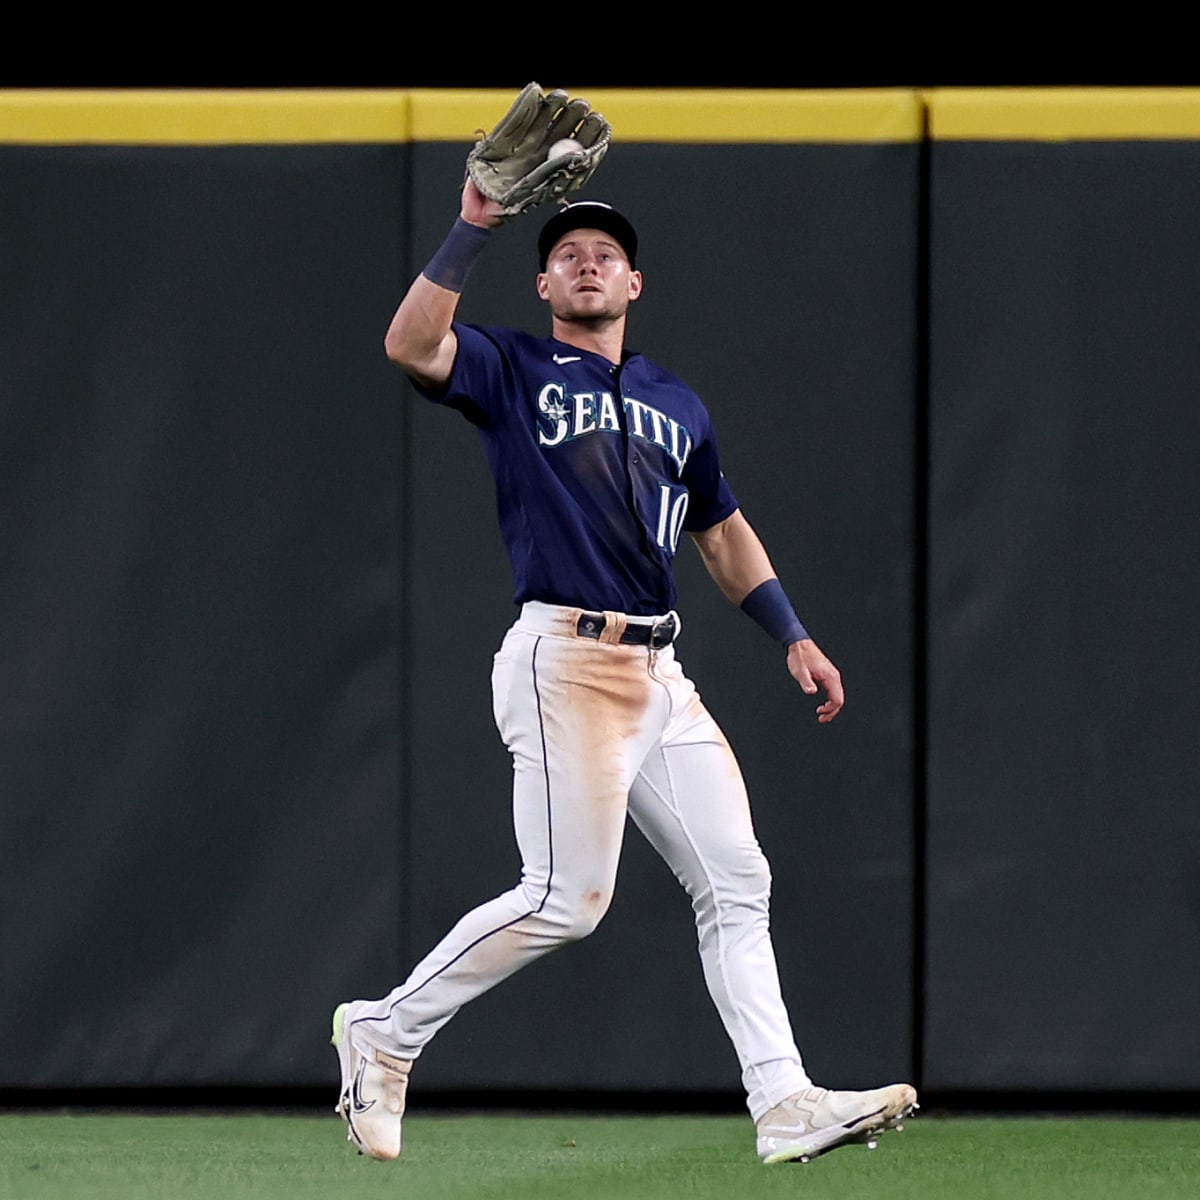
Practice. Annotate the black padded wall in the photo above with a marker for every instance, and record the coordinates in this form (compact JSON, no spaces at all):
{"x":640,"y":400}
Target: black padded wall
{"x":200,"y":754}
{"x":795,"y":319}
{"x":1064,"y":829}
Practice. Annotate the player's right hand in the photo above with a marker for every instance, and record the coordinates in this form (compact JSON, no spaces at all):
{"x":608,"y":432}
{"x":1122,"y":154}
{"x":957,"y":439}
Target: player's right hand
{"x":477,"y":209}
{"x":813,"y":671}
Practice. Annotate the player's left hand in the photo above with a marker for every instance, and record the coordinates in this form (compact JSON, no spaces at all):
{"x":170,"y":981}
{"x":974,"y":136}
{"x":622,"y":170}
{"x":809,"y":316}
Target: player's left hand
{"x":477,"y":209}
{"x":513,"y":164}
{"x":813,"y":671}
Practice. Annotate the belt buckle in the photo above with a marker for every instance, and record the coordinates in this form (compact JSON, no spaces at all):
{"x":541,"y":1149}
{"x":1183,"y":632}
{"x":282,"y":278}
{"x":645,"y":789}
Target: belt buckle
{"x":662,"y":632}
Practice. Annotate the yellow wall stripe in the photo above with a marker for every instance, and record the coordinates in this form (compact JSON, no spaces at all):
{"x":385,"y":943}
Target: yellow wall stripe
{"x":187,"y":117}
{"x":1063,"y":114}
{"x":698,"y":115}
{"x":298,"y":116}
{"x":693,"y":115}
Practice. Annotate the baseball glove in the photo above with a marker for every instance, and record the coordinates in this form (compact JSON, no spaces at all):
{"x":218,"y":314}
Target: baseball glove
{"x":510,"y":165}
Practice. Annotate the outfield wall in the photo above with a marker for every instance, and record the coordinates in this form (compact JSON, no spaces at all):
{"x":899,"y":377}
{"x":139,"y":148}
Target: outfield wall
{"x":252,"y":585}
{"x":1063,"y":793}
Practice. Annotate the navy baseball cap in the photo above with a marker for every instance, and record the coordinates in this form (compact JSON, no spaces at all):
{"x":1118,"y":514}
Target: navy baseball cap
{"x":588,"y":214}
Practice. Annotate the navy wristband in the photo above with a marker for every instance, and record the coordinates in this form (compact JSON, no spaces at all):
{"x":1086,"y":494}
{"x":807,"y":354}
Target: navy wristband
{"x":455,"y":257}
{"x":769,"y":606}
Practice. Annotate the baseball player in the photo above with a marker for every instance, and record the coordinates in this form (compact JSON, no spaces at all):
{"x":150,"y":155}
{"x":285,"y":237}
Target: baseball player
{"x":602,"y":461}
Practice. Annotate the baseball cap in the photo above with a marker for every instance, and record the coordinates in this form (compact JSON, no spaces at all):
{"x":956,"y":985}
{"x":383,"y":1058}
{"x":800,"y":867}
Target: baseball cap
{"x":588,"y":214}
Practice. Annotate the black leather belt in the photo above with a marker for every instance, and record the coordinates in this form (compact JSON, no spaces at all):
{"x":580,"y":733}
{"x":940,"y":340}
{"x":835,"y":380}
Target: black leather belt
{"x":656,"y":635}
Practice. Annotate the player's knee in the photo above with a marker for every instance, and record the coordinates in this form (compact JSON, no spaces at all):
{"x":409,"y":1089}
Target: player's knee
{"x":743,"y":884}
{"x":579,"y":917}
{"x":760,"y":871}
{"x":756,"y":876}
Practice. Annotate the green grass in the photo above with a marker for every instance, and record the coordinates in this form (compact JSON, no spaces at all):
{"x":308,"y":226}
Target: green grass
{"x":171,"y":1156}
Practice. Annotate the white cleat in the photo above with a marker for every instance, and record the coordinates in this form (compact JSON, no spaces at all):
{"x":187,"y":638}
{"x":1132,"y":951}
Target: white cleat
{"x":816,"y":1121}
{"x":371,"y":1100}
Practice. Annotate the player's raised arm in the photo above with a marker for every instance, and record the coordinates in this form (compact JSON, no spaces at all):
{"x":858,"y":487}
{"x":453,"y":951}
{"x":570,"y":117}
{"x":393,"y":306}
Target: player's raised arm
{"x":546,"y":146}
{"x":420,"y":338}
{"x":741,"y":568}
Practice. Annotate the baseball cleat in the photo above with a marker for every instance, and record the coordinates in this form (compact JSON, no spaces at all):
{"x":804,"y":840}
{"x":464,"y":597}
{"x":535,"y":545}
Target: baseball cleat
{"x":371,"y":1100}
{"x":815,"y":1121}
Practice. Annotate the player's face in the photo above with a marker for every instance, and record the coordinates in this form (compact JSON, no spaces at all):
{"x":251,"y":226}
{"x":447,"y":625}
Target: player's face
{"x":588,"y":278}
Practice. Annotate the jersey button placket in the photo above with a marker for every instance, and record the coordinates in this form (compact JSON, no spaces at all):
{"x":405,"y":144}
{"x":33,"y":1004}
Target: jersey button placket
{"x":632,"y":459}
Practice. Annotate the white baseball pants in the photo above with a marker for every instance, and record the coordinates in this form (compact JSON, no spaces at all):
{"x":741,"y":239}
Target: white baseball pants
{"x":597,"y":729}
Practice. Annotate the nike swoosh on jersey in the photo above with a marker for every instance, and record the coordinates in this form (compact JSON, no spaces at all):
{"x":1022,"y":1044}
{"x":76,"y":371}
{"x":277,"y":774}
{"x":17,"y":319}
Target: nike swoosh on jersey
{"x":565,"y":358}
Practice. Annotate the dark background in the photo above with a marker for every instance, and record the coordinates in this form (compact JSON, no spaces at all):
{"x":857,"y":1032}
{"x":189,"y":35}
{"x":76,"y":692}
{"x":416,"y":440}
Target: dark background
{"x":250,"y":586}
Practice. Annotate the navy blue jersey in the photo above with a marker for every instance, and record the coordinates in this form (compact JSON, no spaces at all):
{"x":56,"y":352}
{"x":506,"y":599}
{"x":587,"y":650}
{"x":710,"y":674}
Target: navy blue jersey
{"x":598,"y":468}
